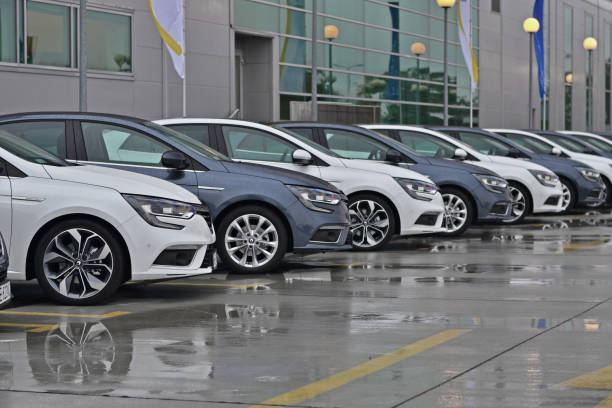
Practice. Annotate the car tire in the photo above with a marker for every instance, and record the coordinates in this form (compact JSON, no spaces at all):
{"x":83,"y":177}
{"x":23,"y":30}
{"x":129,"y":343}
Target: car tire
{"x":460,"y":212}
{"x":569,"y":195}
{"x":89,"y":258}
{"x":521,"y":202}
{"x":363,"y":209}
{"x":253,"y":239}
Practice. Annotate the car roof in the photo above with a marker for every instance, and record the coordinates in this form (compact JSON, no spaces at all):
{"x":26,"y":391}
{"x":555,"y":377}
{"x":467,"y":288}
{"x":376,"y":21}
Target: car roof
{"x":69,"y":114}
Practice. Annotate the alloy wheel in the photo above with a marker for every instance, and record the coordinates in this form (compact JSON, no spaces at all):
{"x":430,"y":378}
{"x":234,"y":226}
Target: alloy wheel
{"x":566,"y":196}
{"x":519,"y":204}
{"x":369,"y":223}
{"x":251,"y":240}
{"x":78,"y":263}
{"x":456,"y":213}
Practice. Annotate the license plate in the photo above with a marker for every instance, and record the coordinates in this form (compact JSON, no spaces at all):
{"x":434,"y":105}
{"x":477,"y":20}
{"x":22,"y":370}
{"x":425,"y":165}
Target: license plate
{"x":5,"y":292}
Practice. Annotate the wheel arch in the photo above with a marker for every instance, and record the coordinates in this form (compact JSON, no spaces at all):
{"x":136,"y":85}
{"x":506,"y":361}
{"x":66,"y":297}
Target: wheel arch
{"x":50,"y":224}
{"x":520,"y":183}
{"x":398,"y":224}
{"x":276,"y":210}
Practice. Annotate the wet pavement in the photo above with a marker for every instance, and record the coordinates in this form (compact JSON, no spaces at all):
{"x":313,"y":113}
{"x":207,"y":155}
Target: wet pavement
{"x":502,"y":317}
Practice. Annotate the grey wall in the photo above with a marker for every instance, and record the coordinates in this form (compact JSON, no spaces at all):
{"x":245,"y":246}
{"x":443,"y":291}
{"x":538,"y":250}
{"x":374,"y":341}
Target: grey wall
{"x":141,"y":93}
{"x":504,"y":61}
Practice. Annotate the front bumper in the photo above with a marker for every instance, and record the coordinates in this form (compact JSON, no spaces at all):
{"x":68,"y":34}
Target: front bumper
{"x":547,"y":199}
{"x":420,"y":217}
{"x":591,"y":194}
{"x":153,"y":250}
{"x":317,"y":231}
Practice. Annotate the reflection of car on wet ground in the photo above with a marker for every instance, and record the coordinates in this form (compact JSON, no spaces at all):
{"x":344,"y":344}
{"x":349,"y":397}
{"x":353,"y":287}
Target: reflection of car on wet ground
{"x":5,"y":286}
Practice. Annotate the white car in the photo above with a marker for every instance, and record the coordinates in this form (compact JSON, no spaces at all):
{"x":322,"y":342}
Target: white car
{"x":601,"y":164}
{"x":599,"y":142}
{"x":533,"y":187}
{"x":82,"y":231}
{"x":383,"y":200}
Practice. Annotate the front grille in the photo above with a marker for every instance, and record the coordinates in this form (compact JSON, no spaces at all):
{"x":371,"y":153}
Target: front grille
{"x":596,"y":194}
{"x":175,"y":257}
{"x":552,"y":200}
{"x":428,"y":219}
{"x":500,"y":208}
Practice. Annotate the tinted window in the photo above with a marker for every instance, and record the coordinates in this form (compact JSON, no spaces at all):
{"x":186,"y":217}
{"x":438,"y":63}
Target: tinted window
{"x":600,"y":144}
{"x":305,"y":132}
{"x":197,"y":132}
{"x":50,"y":136}
{"x":252,"y":144}
{"x":568,"y":143}
{"x":529,"y":143}
{"x":427,"y":145}
{"x":352,"y":145}
{"x":484,"y":144}
{"x":27,"y":151}
{"x":107,"y":143}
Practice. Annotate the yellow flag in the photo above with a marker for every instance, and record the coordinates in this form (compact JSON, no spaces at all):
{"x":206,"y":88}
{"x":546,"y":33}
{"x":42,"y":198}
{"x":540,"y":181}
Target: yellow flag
{"x":169,"y":17}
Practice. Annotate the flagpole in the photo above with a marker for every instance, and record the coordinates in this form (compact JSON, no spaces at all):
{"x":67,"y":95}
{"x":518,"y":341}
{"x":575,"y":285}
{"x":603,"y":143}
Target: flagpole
{"x":471,"y":74}
{"x":185,"y":59}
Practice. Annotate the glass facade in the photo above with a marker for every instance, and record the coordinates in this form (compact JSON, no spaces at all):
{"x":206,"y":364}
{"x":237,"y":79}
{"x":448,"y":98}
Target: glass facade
{"x":569,"y":64}
{"x":370,"y":61}
{"x":37,"y":32}
{"x":608,"y":76}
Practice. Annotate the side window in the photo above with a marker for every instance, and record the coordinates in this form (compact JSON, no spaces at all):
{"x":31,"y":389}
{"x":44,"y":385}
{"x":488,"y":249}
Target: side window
{"x":252,"y":144}
{"x":355,"y":146}
{"x":306,"y":132}
{"x":426,"y":145}
{"x":48,"y":135}
{"x":107,"y":143}
{"x":196,"y":132}
{"x":484,"y":144}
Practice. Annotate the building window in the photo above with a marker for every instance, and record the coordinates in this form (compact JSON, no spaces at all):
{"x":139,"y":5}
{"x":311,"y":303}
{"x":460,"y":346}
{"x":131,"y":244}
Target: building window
{"x":608,"y":73}
{"x":569,"y":62}
{"x":496,"y":6}
{"x":48,"y":34}
{"x":8,"y":49}
{"x":109,"y":41}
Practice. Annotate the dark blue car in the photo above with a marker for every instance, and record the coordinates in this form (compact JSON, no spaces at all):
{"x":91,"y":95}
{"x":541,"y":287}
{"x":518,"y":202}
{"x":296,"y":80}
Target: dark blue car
{"x":259,"y":212}
{"x":470,"y":193}
{"x":572,"y":143}
{"x":577,"y":189}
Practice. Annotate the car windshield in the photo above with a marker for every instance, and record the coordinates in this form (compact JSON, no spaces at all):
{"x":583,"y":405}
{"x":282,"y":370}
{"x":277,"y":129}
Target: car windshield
{"x":530,"y":143}
{"x":485,"y":144}
{"x":27,"y":151}
{"x":307,"y":141}
{"x":568,"y":144}
{"x":188,"y":142}
{"x":428,"y":145}
{"x":600,"y":144}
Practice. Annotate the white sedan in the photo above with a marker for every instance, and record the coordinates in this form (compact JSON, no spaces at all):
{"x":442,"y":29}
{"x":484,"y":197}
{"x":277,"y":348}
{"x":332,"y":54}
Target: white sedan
{"x":383,"y":200}
{"x":82,"y":231}
{"x":534,"y":188}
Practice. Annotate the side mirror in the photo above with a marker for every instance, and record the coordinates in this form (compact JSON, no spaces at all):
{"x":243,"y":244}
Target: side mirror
{"x":175,"y":160}
{"x":556,"y":151}
{"x":460,"y":154}
{"x":515,"y":153}
{"x":393,"y":156}
{"x":302,"y":157}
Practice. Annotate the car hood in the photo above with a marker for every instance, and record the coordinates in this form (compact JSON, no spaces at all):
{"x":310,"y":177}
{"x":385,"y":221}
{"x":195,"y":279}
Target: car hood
{"x":281,"y":175}
{"x":124,"y":182}
{"x":526,"y":164}
{"x":384,"y":168}
{"x":457,"y":165}
{"x":554,"y":160}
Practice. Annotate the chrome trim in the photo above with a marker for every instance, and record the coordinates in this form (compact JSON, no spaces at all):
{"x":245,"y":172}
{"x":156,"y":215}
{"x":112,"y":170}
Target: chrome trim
{"x":211,"y":188}
{"x":29,"y":199}
{"x":107,"y":164}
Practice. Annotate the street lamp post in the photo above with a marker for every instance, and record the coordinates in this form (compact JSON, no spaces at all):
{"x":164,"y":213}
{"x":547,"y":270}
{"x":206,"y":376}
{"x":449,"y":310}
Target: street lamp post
{"x":331,"y":33}
{"x":590,"y":44}
{"x":446,"y":4}
{"x":531,"y":26}
{"x":418,"y":49}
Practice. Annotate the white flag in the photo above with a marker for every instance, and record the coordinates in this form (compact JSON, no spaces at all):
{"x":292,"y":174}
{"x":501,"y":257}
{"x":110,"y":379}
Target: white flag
{"x":169,"y":17}
{"x":465,"y":37}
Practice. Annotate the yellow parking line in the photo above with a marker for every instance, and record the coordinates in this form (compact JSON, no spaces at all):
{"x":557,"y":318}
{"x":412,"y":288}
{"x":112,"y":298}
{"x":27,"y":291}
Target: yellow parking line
{"x":222,"y":285}
{"x":607,"y":403}
{"x":45,"y":314}
{"x":580,"y":246}
{"x":337,"y":380}
{"x":34,"y":328}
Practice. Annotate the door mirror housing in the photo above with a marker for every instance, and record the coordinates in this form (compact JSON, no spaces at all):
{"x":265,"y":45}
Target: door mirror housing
{"x":556,"y":151}
{"x":393,"y":156}
{"x":302,"y":157}
{"x":175,"y":160}
{"x":515,"y":153}
{"x":460,"y":154}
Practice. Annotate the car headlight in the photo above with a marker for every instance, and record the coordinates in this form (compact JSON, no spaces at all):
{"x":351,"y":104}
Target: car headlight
{"x":151,"y":209}
{"x":3,"y":251}
{"x":310,"y":197}
{"x":589,"y":174}
{"x":419,"y":190}
{"x":492,"y":183}
{"x":545,"y":178}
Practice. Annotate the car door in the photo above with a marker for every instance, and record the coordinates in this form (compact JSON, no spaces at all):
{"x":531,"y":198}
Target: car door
{"x":250,"y":145}
{"x":124,"y":148}
{"x":6,"y":211}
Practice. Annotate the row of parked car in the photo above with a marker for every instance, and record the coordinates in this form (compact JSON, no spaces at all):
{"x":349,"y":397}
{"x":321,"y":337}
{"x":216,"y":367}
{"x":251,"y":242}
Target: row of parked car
{"x":96,"y":200}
